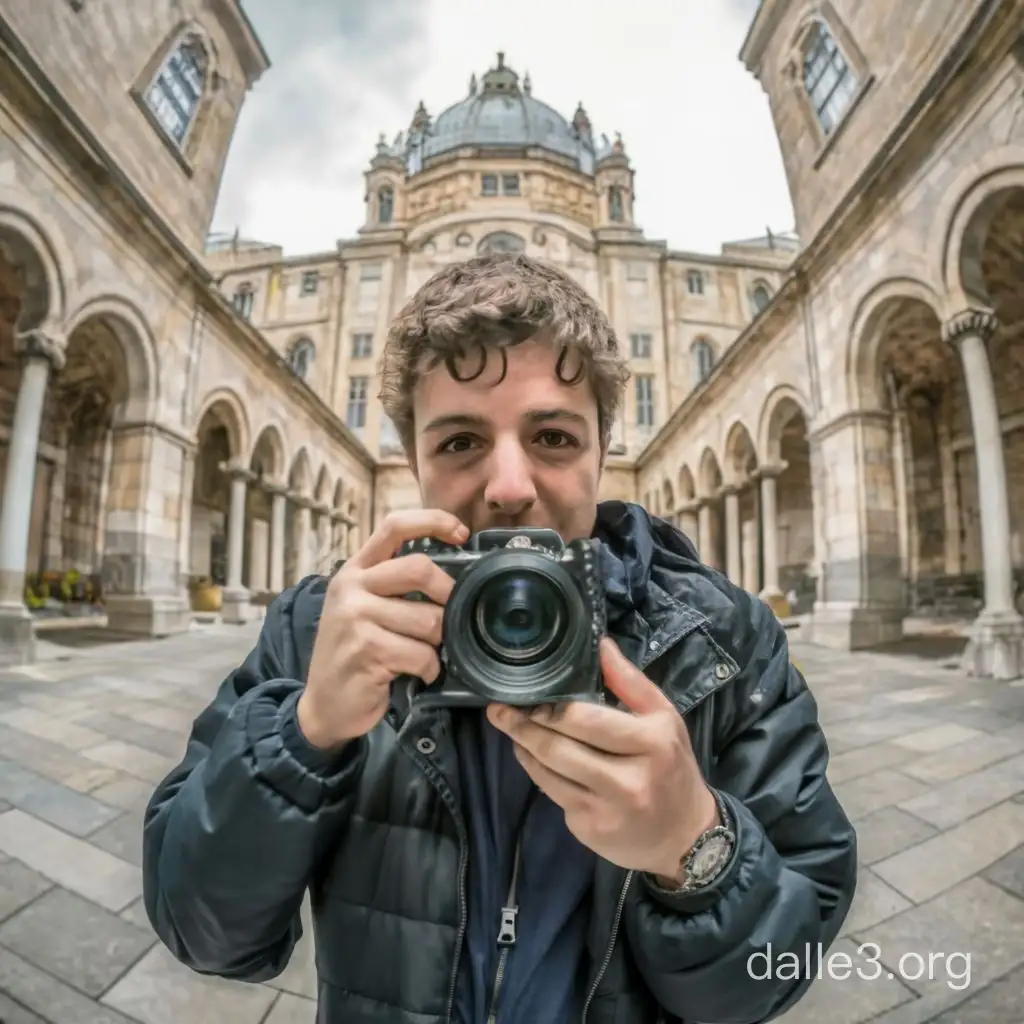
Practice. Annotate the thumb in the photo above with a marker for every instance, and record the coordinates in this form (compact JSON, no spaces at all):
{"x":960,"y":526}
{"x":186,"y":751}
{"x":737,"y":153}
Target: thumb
{"x":628,"y":683}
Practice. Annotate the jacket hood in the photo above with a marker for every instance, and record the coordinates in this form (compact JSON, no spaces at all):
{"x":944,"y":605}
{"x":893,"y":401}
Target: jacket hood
{"x":632,"y":542}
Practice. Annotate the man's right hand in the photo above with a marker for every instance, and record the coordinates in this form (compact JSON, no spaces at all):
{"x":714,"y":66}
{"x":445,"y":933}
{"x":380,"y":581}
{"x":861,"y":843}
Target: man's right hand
{"x":370,"y":632}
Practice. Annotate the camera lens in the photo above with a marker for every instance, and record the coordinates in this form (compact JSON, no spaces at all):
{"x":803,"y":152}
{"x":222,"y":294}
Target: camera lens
{"x":520,"y":616}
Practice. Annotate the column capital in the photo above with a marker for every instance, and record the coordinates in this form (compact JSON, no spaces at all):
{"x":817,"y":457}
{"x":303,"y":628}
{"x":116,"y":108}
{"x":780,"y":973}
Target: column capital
{"x":689,"y":507}
{"x":770,"y":470}
{"x":974,"y":320}
{"x":238,"y":471}
{"x":730,"y":489}
{"x":321,"y":508}
{"x":300,"y":499}
{"x":275,"y":488}
{"x":37,"y":344}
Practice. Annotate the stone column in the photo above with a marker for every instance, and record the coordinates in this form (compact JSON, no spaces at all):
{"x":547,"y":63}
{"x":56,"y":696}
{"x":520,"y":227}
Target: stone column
{"x":950,"y":501}
{"x":772,"y":593}
{"x":705,"y":539}
{"x":322,"y":551}
{"x":278,"y":507}
{"x":303,"y":525}
{"x":996,"y":645}
{"x":733,"y":548}
{"x":688,"y":517}
{"x":39,"y":354}
{"x":235,"y":606}
{"x":337,"y":536}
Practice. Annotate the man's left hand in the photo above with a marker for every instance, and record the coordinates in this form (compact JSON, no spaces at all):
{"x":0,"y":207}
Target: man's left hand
{"x":629,"y":783}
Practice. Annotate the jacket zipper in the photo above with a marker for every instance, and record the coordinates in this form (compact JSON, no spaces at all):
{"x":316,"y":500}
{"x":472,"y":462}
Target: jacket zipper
{"x":617,"y":920}
{"x":611,"y":946}
{"x":431,"y":773}
{"x":506,"y":932}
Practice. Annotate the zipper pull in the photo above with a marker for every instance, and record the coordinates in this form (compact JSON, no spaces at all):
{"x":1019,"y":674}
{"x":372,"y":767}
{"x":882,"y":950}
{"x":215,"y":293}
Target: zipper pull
{"x":507,"y":931}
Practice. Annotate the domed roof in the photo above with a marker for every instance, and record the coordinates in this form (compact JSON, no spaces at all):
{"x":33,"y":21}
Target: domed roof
{"x":502,"y":114}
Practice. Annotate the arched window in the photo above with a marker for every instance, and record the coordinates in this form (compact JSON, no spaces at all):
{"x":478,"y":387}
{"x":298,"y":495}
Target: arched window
{"x":616,"y":210}
{"x":301,"y":356}
{"x":178,"y":88}
{"x":760,"y":298}
{"x":386,"y":205}
{"x":703,"y":356}
{"x":828,"y":79}
{"x":501,"y":241}
{"x":242,"y":300}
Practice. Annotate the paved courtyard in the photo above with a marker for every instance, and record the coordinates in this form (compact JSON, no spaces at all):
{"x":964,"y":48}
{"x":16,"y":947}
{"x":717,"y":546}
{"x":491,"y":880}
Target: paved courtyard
{"x":929,"y":763}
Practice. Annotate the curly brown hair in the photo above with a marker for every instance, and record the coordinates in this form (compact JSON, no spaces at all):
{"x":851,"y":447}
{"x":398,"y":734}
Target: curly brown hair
{"x":493,"y":303}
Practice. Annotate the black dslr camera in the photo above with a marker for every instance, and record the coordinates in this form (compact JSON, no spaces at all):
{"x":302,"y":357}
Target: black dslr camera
{"x":522,"y":624}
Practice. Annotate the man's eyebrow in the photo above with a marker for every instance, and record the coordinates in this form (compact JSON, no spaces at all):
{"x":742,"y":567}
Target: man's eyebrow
{"x":454,"y":420}
{"x":544,"y":415}
{"x":534,"y":416}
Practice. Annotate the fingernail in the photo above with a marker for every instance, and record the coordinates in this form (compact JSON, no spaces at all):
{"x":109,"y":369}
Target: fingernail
{"x":462,"y":533}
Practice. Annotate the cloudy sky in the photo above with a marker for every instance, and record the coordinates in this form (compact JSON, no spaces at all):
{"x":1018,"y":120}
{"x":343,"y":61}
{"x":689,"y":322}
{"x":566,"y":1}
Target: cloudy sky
{"x":665,"y":73}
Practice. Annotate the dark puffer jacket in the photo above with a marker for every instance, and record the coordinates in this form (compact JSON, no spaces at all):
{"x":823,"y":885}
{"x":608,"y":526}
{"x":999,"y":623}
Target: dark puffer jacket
{"x":253,"y":817}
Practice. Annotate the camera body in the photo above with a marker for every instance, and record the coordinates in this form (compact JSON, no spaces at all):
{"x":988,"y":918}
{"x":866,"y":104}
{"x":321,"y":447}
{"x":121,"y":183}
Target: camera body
{"x":523,"y":623}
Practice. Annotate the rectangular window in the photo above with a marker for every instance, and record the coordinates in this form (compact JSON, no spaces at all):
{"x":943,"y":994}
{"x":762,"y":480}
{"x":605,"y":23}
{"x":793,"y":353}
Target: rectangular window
{"x":358,"y":394}
{"x":370,"y":272}
{"x":362,"y":346}
{"x":310,"y":282}
{"x":636,"y":271}
{"x":695,"y":282}
{"x":645,"y":400}
{"x":489,"y":185}
{"x":640,"y":346}
{"x":510,"y":184}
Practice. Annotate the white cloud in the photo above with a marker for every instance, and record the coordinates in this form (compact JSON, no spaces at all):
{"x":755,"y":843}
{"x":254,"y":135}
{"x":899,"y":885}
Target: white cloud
{"x":667,"y":75}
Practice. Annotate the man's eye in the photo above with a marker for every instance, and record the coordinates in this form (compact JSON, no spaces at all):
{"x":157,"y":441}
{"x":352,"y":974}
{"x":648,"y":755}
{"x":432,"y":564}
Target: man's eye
{"x":461,"y":443}
{"x":555,"y":439}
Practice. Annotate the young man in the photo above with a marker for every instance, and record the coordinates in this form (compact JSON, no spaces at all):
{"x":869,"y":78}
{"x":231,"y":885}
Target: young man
{"x":310,"y":772}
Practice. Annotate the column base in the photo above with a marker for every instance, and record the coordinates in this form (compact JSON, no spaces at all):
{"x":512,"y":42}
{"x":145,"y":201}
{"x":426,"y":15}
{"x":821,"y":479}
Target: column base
{"x":776,"y":600}
{"x":17,"y":635}
{"x":236,"y":607}
{"x":148,"y":616}
{"x":995,"y":649}
{"x":852,"y":629}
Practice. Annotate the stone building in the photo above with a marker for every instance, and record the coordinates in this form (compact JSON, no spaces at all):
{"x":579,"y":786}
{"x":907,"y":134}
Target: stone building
{"x":500,"y":170}
{"x":837,"y":422}
{"x":861,"y":443}
{"x":143,"y":422}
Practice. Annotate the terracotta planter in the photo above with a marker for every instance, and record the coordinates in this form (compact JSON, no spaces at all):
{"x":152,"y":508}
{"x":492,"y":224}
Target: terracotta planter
{"x":207,"y":598}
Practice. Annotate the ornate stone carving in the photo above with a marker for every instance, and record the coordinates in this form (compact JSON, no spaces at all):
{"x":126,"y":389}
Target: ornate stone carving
{"x":979,"y":322}
{"x":37,"y":345}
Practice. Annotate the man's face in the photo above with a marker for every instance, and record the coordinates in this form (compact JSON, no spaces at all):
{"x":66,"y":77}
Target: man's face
{"x":525,"y":452}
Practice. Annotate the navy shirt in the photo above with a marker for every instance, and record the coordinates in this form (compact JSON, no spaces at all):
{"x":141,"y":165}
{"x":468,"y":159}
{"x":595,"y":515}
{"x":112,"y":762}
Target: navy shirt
{"x":545,"y":969}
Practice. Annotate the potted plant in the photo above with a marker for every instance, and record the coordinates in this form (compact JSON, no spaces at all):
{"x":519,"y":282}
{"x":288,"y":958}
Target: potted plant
{"x":205,"y":595}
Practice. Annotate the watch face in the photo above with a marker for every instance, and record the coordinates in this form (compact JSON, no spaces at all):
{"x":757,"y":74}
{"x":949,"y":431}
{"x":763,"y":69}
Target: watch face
{"x":709,"y":858}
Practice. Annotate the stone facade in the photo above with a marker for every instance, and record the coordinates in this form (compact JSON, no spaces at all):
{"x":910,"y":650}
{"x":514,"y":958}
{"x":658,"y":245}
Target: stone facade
{"x":138,"y":409}
{"x":888,"y":367}
{"x":836,"y":421}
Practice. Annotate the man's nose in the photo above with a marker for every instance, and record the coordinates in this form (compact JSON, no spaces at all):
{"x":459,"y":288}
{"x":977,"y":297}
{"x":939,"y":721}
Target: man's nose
{"x":510,"y":487}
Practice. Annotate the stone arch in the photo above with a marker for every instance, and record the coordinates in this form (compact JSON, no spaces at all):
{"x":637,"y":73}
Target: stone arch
{"x":740,"y":454}
{"x":709,"y":474}
{"x":300,"y":474}
{"x":871,"y":318}
{"x":323,"y":486}
{"x":668,"y":497}
{"x":138,"y":348}
{"x":775,"y":413}
{"x":687,"y":488}
{"x":42,"y":258}
{"x":268,"y":455}
{"x":962,"y":221}
{"x":228,"y":408}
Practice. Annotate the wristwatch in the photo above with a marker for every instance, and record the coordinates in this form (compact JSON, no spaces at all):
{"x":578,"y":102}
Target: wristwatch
{"x":705,"y":861}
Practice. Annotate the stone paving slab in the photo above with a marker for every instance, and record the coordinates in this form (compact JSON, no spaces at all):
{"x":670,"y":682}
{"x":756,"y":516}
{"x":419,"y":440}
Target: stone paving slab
{"x":929,"y":763}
